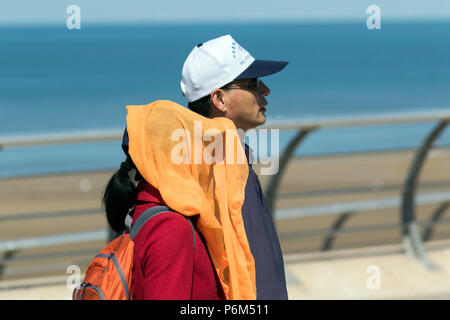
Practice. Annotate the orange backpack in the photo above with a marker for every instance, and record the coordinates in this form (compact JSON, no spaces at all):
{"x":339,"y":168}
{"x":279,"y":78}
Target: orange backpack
{"x":108,"y":276}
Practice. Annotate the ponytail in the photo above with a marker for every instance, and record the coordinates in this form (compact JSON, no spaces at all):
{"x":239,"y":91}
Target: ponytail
{"x":120,"y":194}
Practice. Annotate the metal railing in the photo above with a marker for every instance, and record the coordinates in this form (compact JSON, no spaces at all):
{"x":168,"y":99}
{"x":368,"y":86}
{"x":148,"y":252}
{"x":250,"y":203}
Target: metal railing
{"x":412,"y":240}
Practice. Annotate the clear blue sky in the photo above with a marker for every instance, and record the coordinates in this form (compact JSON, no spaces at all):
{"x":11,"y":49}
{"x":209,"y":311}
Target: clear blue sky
{"x":156,"y":11}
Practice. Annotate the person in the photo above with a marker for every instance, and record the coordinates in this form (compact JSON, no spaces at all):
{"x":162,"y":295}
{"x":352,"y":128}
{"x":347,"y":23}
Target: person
{"x":168,"y":262}
{"x":221,"y":79}
{"x":174,"y":253}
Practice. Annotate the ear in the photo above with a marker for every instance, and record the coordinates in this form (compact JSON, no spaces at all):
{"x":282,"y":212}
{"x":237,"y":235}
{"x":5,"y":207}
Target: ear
{"x":219,"y":99}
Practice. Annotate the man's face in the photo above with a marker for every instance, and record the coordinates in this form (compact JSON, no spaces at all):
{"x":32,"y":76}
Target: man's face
{"x":246,"y":103}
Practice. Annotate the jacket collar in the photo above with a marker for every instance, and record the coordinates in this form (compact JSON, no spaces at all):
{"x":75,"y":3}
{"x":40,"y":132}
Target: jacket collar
{"x":249,"y":154}
{"x":147,"y":193}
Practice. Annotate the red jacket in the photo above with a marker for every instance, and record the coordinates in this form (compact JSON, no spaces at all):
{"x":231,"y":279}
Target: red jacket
{"x":166,"y":265}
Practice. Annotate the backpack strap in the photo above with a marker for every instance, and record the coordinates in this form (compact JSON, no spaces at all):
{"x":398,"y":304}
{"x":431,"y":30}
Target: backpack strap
{"x":150,"y":213}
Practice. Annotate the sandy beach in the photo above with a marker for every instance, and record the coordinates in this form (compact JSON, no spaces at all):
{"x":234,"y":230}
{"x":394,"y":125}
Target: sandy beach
{"x":67,"y":203}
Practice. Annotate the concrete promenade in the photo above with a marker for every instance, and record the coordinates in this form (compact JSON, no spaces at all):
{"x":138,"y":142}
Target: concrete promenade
{"x":67,"y":203}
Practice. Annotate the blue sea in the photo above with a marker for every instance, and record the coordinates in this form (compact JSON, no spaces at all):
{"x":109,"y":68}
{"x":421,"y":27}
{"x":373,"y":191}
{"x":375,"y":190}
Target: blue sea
{"x":57,"y":80}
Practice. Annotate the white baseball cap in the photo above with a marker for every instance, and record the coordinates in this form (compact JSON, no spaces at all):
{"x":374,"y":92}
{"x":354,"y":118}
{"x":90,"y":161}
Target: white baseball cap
{"x":215,"y":63}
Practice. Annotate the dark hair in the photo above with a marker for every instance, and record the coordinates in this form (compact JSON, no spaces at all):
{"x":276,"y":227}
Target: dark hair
{"x":202,"y":106}
{"x":120,"y":195}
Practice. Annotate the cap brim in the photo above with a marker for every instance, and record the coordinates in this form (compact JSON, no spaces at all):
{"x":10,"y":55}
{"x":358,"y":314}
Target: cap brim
{"x":261,"y":68}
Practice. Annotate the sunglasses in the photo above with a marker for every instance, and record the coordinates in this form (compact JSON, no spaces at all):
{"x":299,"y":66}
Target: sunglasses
{"x":253,"y":85}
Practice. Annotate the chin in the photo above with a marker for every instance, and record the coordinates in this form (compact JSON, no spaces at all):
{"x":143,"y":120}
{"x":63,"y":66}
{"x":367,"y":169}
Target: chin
{"x":263,"y":120}
{"x":260,"y":123}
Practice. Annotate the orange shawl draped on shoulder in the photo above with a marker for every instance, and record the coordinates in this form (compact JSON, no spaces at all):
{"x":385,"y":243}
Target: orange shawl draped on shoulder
{"x":183,"y":155}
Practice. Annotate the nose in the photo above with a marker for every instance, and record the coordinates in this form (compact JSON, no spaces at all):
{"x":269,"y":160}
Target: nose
{"x":264,"y":90}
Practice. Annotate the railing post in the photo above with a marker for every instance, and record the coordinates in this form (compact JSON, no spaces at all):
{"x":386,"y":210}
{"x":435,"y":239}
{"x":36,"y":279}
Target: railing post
{"x":272,"y":186}
{"x":8,"y":255}
{"x":412,"y":240}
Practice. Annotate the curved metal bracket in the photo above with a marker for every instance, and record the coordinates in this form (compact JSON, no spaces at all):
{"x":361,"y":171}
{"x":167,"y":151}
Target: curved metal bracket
{"x":428,"y":232}
{"x":412,"y":240}
{"x":272,"y":186}
{"x":328,"y":242}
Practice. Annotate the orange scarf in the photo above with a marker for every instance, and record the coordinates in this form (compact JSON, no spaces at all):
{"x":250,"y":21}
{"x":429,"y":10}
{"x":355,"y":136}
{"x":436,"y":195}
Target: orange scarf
{"x":174,"y":155}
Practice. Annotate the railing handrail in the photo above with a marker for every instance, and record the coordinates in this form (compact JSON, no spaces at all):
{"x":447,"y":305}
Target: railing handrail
{"x":359,"y":120}
{"x":362,"y":205}
{"x":91,"y":135}
{"x":53,"y":240}
{"x":61,"y":137}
